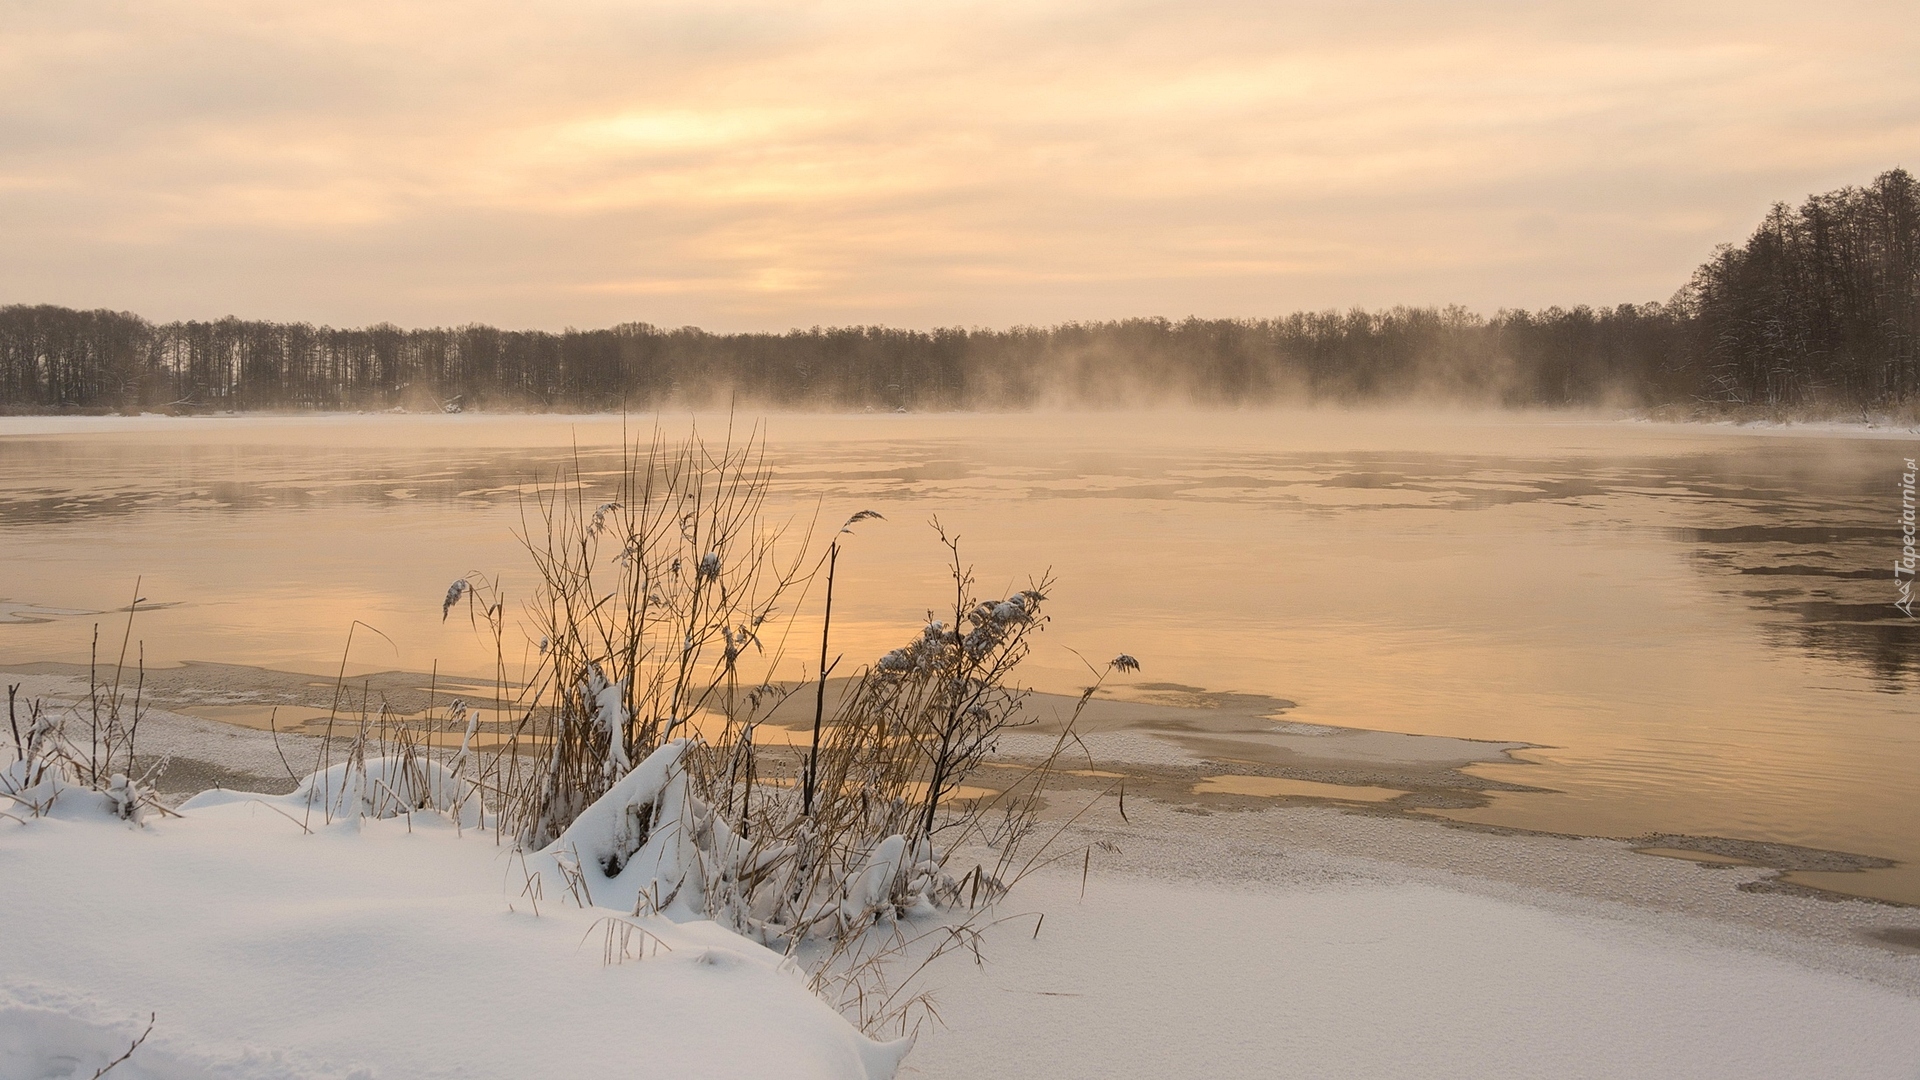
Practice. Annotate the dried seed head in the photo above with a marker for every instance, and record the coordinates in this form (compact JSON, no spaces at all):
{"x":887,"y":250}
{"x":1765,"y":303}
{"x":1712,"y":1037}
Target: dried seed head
{"x":599,"y":522}
{"x":454,"y":592}
{"x":864,"y":515}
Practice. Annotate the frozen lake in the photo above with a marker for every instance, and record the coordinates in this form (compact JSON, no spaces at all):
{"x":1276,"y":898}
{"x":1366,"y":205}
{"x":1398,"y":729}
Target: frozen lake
{"x":1693,"y":625}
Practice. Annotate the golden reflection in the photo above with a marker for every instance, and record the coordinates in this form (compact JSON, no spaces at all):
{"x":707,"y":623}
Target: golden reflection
{"x":1276,"y":787}
{"x":1618,"y":595}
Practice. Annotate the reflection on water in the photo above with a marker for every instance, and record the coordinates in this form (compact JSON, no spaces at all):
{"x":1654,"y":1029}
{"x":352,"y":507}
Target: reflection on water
{"x":1695,"y":625}
{"x":1275,"y":787}
{"x":1707,"y":858}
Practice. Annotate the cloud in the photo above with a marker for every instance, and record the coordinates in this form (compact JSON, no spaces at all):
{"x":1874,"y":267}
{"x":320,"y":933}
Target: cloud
{"x":764,"y":165}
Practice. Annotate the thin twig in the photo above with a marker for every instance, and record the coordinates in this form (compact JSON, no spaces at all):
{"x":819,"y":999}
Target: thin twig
{"x":152,"y":1018}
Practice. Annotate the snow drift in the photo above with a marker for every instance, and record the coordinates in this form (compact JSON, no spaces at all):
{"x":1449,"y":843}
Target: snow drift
{"x":362,"y":926}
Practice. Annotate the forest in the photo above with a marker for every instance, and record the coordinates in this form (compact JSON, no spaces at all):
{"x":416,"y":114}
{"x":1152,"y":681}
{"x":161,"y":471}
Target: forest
{"x":1819,"y":307}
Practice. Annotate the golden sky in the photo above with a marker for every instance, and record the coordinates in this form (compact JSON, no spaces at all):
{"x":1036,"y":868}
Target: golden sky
{"x":769,"y":165}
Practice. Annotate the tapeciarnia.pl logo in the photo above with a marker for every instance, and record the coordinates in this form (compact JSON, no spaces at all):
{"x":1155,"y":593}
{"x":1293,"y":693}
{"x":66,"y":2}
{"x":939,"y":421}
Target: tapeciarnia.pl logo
{"x":1904,"y":567}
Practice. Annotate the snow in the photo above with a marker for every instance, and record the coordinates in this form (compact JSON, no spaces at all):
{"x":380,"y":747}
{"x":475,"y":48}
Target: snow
{"x":649,"y":846}
{"x":633,"y":848}
{"x":381,"y":787}
{"x":608,"y":702}
{"x":404,"y":946}
{"x":1156,"y":979}
{"x":344,"y":931}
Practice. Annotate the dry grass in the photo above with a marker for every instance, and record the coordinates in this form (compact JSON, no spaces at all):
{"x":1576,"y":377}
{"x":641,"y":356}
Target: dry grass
{"x":664,"y":601}
{"x":655,"y":601}
{"x":49,"y":754}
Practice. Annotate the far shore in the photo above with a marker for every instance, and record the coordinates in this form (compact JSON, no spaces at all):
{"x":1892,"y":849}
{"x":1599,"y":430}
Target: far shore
{"x":1818,"y":421}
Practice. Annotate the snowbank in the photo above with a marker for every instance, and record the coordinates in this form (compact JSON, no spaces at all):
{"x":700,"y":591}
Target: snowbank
{"x":1363,"y":978}
{"x":633,"y":849}
{"x":272,"y":942}
{"x":397,"y":946}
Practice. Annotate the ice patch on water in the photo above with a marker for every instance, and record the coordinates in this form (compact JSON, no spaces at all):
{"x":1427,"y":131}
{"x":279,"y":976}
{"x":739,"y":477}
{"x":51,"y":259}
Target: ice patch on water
{"x":1288,"y":727}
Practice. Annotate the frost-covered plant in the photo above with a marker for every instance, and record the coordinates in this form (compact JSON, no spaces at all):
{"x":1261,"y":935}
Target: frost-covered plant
{"x":50,"y":771}
{"x":628,"y":773}
{"x":949,"y":691}
{"x":392,"y":766}
{"x":873,"y":845}
{"x":843,"y":886}
{"x":651,"y":598}
{"x":49,"y":758}
{"x":840,"y":885}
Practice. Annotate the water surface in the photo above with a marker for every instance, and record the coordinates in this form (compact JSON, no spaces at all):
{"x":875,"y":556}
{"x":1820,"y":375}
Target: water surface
{"x":1694,"y":624}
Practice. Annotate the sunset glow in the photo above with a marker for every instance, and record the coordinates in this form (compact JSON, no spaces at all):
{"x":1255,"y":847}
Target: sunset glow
{"x":765,"y":165}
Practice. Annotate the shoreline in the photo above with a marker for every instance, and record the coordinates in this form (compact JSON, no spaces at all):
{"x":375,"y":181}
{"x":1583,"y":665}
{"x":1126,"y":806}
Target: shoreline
{"x":1743,"y":420}
{"x":1318,"y":942}
{"x":1192,"y":937}
{"x":1154,"y":770}
{"x":1581,"y":876}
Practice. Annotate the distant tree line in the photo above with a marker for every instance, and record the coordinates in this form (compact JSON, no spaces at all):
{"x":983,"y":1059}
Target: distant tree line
{"x":1821,"y":302}
{"x":1819,"y":306}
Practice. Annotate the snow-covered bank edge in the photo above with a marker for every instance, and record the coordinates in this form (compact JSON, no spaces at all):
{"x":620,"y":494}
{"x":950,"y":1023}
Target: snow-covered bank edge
{"x":1881,"y":427}
{"x":1339,"y":973}
{"x":464,"y":425}
{"x":369,"y":924}
{"x":1221,"y":893}
{"x":239,"y":758}
{"x":1585,"y":878}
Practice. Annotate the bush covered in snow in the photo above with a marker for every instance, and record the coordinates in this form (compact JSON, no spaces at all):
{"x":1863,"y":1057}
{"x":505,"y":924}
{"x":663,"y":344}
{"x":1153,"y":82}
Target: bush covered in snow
{"x":52,"y":773}
{"x":628,"y":763}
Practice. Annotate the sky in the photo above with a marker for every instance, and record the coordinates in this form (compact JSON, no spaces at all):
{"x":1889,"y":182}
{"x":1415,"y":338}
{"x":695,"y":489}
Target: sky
{"x":769,"y":165}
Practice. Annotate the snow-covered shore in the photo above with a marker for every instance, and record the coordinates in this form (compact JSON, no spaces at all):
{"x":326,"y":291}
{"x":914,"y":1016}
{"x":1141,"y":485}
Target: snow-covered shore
{"x":1884,"y":428}
{"x":1149,"y":978}
{"x":292,"y":424}
{"x":1298,"y":940}
{"x":1311,"y":942}
{"x":403,"y":947}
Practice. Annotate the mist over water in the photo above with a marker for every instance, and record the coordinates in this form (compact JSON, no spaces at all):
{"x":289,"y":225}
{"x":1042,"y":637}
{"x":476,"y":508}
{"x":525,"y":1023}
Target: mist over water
{"x":1695,"y":625}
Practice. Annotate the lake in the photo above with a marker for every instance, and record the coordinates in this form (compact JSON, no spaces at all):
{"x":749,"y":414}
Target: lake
{"x":1692,"y":624}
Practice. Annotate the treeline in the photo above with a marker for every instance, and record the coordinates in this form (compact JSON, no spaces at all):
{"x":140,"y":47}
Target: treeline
{"x":1820,"y":305}
{"x":59,"y":357}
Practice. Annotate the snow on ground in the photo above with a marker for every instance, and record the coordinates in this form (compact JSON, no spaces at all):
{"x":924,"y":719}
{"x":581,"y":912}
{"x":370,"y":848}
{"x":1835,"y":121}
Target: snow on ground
{"x":397,"y":948}
{"x":1362,"y":978}
{"x":1284,"y":943}
{"x":1884,"y":428}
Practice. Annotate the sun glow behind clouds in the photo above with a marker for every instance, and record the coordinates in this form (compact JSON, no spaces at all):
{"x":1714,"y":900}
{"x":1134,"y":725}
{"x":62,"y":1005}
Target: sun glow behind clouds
{"x":769,"y":164}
